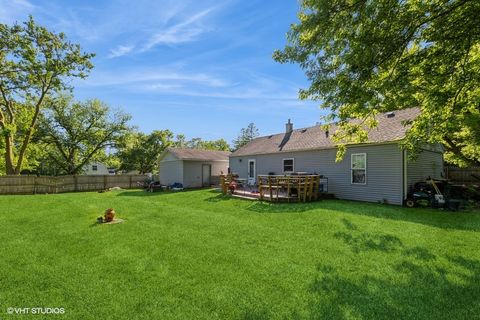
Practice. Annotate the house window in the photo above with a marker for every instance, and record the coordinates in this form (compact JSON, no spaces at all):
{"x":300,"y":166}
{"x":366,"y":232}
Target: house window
{"x":94,"y":168}
{"x":287,"y":165}
{"x":359,"y":168}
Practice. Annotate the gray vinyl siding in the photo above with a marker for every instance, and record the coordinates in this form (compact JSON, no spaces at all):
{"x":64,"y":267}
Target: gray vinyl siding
{"x":171,"y":171}
{"x":428,"y":164}
{"x":219,"y":167}
{"x":384,"y":170}
{"x":192,"y":171}
{"x":192,"y":174}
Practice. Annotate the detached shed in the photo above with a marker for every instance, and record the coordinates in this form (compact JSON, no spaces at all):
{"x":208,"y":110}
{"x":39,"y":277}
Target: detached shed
{"x":192,"y":167}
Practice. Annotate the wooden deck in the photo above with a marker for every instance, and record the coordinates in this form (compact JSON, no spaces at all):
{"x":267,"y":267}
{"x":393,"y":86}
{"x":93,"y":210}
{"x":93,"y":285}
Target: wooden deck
{"x":248,"y":195}
{"x":294,"y":188}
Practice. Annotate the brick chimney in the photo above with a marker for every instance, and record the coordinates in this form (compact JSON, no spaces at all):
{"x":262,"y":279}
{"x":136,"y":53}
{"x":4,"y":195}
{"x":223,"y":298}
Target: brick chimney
{"x":288,"y":127}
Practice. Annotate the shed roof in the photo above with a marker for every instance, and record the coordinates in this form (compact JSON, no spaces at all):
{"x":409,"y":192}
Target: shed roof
{"x":390,"y":128}
{"x":197,"y":154}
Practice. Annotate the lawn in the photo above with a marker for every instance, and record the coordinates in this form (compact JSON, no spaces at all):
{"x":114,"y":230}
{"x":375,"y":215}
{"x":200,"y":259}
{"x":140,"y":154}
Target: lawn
{"x":200,"y":255}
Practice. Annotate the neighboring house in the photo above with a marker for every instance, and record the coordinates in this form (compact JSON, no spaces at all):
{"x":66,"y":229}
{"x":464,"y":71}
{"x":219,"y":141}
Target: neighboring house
{"x":378,"y":170}
{"x":97,"y":168}
{"x":192,"y":168}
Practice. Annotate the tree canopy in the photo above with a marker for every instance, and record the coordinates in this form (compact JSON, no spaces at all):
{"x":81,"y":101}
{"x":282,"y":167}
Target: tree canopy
{"x":246,"y":135}
{"x":34,"y":63}
{"x":140,"y":151}
{"x":199,"y":143}
{"x":365,"y":57}
{"x":79,"y":132}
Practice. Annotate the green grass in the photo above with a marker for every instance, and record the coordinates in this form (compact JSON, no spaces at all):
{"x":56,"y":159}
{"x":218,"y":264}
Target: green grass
{"x":200,"y":255}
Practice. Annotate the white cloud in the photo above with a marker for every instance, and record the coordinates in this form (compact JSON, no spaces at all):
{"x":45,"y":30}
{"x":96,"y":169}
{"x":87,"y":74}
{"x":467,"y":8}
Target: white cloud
{"x":164,"y":86}
{"x":249,"y":92}
{"x":120,"y":51}
{"x":185,"y":31}
{"x":154,"y":79}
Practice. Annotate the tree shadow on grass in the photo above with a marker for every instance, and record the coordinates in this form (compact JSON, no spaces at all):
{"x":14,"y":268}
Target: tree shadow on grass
{"x":359,"y":242}
{"x":428,"y":292}
{"x":368,"y":241}
{"x":426,"y":216}
{"x":423,"y":286}
{"x":219,"y":197}
{"x":143,"y":193}
{"x":430,"y":217}
{"x":272,"y":207}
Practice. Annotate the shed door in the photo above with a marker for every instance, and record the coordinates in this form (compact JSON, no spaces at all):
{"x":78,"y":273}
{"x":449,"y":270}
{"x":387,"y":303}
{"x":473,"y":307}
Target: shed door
{"x":206,"y":173}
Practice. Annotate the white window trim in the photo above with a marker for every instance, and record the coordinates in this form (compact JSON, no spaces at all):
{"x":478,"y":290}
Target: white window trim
{"x":254,"y":169}
{"x":293,"y":165}
{"x":351,"y":168}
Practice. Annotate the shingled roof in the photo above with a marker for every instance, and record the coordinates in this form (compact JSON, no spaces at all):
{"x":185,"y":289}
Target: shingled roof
{"x":196,"y":154}
{"x":390,"y":128}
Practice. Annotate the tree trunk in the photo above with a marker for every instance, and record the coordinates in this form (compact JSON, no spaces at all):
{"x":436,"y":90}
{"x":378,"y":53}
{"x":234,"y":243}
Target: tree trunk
{"x":9,"y":166}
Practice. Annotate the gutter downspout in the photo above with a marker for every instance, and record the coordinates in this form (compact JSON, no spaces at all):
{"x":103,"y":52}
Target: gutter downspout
{"x":404,"y":175}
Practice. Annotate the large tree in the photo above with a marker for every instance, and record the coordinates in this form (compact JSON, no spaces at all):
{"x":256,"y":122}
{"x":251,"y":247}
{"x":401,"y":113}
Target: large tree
{"x":141,"y":151}
{"x":365,"y":57}
{"x":180,"y":141}
{"x":245,"y":136}
{"x":79,"y":132}
{"x":34,"y":62}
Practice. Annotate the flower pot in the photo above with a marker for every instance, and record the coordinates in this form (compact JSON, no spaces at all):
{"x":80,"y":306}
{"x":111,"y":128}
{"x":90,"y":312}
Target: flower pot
{"x":109,"y":215}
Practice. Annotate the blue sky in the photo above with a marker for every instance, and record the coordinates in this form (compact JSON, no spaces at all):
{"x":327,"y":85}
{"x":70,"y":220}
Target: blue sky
{"x":202,"y":68}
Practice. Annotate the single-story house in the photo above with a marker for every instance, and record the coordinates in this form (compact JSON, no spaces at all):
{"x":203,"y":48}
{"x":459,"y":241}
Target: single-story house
{"x":378,"y":170}
{"x":192,"y":168}
{"x":97,"y":168}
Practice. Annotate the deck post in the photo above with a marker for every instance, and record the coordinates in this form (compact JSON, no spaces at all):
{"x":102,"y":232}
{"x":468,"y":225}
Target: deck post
{"x":298,"y":190}
{"x":310,"y":188}
{"x":288,"y":189}
{"x":305,"y":186}
{"x":277,"y":186}
{"x":260,"y":187}
{"x":270,"y":187}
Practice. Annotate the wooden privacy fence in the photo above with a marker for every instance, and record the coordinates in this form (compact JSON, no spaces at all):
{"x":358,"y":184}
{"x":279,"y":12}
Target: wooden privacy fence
{"x":468,"y":175}
{"x":60,"y":184}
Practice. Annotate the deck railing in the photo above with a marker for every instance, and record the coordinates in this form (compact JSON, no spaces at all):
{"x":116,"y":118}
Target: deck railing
{"x":281,"y":187}
{"x":290,"y":188}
